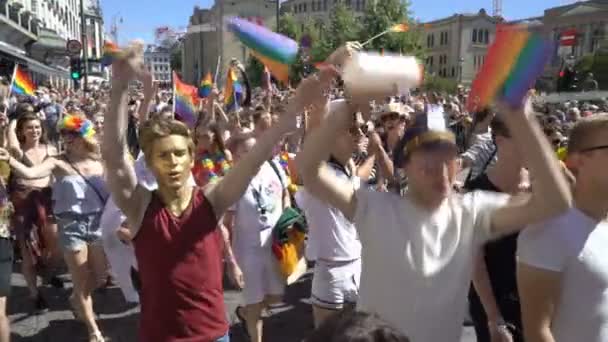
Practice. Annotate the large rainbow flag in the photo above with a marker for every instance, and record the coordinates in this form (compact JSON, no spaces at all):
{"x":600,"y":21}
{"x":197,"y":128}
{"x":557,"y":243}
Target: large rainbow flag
{"x":184,"y":101}
{"x":513,"y":63}
{"x":275,"y":51}
{"x":22,"y":84}
{"x":233,"y":91}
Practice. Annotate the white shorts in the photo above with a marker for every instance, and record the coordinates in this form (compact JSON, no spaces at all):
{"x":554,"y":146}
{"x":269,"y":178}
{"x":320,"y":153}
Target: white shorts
{"x":335,"y":284}
{"x":261,"y":276}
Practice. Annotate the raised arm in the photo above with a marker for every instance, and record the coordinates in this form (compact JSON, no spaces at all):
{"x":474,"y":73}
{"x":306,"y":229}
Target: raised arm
{"x":228,"y":190}
{"x":150,"y":89}
{"x":121,"y":177}
{"x":13,"y":142}
{"x":550,"y":191}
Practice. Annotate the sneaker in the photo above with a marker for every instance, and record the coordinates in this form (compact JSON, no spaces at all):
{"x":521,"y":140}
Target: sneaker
{"x":56,"y":282}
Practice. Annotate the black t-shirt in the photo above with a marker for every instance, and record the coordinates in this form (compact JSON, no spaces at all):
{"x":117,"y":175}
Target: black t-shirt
{"x":499,"y":254}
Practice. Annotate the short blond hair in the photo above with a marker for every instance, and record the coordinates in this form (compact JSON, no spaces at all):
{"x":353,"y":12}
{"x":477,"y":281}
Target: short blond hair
{"x":158,"y":128}
{"x":585,"y":130}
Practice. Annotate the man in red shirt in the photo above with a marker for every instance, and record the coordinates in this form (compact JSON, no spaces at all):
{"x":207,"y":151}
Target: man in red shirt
{"x":177,"y":245}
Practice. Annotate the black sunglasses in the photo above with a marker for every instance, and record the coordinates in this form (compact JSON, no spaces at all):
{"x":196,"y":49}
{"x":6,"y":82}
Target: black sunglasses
{"x":595,"y":148}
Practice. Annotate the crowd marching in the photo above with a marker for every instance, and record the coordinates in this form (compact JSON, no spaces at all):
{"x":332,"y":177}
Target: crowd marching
{"x":408,"y":206}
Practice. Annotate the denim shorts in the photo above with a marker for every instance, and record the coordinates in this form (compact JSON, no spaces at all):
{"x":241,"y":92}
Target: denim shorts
{"x":6,"y":266}
{"x":78,"y":230}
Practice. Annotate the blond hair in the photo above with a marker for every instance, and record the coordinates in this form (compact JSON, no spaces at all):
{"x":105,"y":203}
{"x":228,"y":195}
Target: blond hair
{"x":586,"y":130}
{"x":158,"y":128}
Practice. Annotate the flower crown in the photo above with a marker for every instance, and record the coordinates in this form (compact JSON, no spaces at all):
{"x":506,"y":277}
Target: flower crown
{"x":77,"y":124}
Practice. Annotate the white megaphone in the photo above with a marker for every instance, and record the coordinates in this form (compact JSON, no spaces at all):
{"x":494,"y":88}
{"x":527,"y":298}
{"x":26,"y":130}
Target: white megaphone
{"x":377,"y":76}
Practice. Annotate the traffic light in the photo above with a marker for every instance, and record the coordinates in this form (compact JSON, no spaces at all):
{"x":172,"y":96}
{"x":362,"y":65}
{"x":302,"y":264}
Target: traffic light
{"x":76,"y":68}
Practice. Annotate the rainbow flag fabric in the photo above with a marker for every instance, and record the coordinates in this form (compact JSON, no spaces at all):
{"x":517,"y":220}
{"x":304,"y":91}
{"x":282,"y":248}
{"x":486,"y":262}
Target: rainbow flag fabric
{"x":110,"y":52}
{"x":183,"y":100}
{"x":233,"y":91}
{"x":400,"y":28}
{"x":513,"y":63}
{"x":275,"y":51}
{"x":22,"y":84}
{"x":206,"y":86}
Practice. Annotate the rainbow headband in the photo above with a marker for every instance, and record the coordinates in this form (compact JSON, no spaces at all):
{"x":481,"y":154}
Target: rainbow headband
{"x":77,"y":124}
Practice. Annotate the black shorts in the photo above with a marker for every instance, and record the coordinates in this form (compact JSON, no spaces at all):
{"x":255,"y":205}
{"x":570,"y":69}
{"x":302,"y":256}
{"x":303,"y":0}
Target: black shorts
{"x":6,"y":266}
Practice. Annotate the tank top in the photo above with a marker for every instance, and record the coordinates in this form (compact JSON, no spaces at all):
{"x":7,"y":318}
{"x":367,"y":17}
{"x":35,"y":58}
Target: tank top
{"x":180,"y":266}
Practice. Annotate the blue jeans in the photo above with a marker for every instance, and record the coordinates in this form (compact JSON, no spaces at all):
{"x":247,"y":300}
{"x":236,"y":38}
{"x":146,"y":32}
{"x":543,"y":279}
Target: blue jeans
{"x":225,"y":338}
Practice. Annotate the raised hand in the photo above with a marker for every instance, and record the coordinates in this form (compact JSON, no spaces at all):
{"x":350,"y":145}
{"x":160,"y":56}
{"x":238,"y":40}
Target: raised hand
{"x":129,"y":66}
{"x":4,"y":154}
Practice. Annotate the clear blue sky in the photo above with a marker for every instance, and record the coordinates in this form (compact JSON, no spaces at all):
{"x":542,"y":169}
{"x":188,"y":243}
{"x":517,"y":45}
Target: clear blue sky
{"x":140,"y":17}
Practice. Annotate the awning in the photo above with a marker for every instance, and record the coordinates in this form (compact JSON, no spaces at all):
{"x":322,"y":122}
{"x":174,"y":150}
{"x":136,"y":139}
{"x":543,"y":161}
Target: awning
{"x":32,"y":64}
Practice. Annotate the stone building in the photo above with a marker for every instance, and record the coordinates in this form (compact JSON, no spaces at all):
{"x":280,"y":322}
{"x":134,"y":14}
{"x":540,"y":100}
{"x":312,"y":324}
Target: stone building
{"x":457,"y":45}
{"x":208,"y":41}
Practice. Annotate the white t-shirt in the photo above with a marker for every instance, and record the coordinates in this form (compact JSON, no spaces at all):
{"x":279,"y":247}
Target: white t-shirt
{"x":259,"y":209}
{"x":330,"y":235}
{"x":417,"y":265}
{"x":576,"y":246}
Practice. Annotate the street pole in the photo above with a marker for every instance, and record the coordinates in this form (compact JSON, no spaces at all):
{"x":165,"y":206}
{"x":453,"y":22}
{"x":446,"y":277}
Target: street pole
{"x":85,"y":45}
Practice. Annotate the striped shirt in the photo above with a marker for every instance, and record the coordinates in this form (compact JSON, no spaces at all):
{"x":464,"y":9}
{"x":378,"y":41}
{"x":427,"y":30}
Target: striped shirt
{"x":479,"y":154}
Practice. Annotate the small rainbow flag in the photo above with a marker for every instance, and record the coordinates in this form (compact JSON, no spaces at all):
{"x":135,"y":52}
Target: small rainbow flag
{"x":22,"y":84}
{"x":233,"y":91}
{"x":110,"y":52}
{"x":275,"y":51}
{"x":400,"y":28}
{"x":183,"y":100}
{"x":513,"y":63}
{"x":206,"y":86}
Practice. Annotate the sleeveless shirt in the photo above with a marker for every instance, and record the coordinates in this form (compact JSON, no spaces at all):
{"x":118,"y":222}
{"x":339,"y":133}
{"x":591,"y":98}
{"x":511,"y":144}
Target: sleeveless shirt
{"x":180,"y":265}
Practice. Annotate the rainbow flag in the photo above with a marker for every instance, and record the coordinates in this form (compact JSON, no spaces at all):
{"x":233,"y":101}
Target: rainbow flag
{"x":110,"y":51}
{"x":400,"y":28}
{"x":513,"y":63}
{"x":184,"y":101}
{"x":22,"y":84}
{"x":233,"y":91}
{"x":275,"y":51}
{"x":206,"y":86}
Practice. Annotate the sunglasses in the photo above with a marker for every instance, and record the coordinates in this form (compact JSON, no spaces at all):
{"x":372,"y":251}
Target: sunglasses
{"x":595,"y":148}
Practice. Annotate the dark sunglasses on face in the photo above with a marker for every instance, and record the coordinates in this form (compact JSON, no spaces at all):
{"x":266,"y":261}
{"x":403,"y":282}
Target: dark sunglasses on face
{"x":595,"y":148}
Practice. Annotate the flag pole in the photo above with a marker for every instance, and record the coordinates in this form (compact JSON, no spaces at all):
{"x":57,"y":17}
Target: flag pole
{"x":217,"y":69}
{"x":174,"y":81}
{"x":376,"y":36}
{"x":10,"y":89}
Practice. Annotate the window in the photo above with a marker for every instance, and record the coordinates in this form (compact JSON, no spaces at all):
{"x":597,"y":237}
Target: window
{"x":325,"y":5}
{"x":453,"y":72}
{"x":313,"y":6}
{"x":431,"y":61}
{"x":305,"y":7}
{"x":430,"y":40}
{"x":486,"y":36}
{"x":474,"y":35}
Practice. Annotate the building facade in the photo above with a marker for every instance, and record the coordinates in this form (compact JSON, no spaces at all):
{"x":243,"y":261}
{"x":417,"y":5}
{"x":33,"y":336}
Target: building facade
{"x":207,"y":44}
{"x":158,"y":61}
{"x":320,"y":10}
{"x":457,"y":45}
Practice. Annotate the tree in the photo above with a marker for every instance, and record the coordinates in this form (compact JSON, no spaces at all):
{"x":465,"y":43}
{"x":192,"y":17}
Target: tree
{"x":176,"y":58}
{"x":343,"y":27}
{"x":384,"y":14}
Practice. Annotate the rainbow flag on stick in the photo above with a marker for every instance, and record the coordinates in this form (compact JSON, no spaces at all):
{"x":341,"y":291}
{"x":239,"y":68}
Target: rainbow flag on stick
{"x":184,"y":101}
{"x":400,"y":28}
{"x":275,"y":51}
{"x":22,"y":84}
{"x":513,"y":63}
{"x":110,"y":52}
{"x":233,"y":91}
{"x":206,"y":87}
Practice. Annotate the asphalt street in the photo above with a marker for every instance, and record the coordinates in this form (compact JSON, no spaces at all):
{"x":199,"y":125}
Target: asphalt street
{"x":287,"y":322}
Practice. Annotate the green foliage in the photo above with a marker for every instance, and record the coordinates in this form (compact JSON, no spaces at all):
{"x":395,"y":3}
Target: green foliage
{"x":383,"y":15}
{"x":176,"y":59}
{"x":254,"y":71}
{"x":439,"y":84}
{"x":596,"y":64}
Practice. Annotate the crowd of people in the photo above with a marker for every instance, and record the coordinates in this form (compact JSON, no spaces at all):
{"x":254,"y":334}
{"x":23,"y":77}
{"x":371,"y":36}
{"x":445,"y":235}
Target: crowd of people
{"x":412,"y":207}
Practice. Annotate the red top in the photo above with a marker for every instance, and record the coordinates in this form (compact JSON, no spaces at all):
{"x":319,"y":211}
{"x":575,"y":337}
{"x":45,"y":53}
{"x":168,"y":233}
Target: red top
{"x":180,"y":265}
